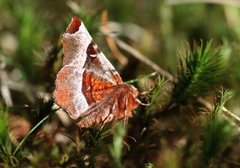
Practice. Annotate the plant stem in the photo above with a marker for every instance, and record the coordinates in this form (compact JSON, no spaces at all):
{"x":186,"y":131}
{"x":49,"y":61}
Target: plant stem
{"x":30,"y":132}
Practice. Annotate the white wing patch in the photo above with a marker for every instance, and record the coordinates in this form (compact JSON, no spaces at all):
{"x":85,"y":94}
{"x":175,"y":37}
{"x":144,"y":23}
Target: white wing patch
{"x":68,"y":93}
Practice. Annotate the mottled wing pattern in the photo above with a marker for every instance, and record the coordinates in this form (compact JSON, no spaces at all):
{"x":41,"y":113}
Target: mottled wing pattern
{"x":116,"y":105}
{"x":99,"y":77}
{"x":86,"y":75}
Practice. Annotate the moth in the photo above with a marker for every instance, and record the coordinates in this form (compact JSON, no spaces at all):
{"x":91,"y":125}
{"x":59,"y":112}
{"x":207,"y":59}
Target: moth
{"x":88,"y":87}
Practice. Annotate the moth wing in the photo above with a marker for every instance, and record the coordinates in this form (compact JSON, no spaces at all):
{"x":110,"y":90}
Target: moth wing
{"x":86,"y":75}
{"x":116,"y":105}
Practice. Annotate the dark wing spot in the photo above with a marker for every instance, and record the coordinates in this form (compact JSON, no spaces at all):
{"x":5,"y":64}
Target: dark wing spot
{"x":92,"y":49}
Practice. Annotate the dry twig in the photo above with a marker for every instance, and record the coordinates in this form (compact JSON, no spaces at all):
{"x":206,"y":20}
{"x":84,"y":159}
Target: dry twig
{"x":143,"y":59}
{"x":110,"y":41}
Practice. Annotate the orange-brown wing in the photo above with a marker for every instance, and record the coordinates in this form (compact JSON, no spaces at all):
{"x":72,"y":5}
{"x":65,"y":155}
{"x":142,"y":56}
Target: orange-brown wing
{"x":116,"y":105}
{"x":86,"y":75}
{"x":99,"y":76}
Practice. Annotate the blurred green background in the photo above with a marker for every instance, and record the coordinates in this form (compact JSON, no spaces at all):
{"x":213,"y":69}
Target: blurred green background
{"x":30,"y":49}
